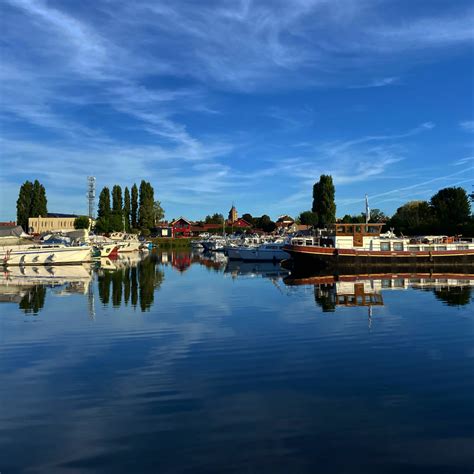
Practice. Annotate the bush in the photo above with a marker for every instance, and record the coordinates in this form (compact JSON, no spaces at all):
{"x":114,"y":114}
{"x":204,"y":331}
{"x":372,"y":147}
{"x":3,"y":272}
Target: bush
{"x":81,"y":222}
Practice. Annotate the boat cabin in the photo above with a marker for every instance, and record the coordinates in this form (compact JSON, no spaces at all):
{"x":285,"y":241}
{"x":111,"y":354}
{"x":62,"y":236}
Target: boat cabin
{"x":352,"y":235}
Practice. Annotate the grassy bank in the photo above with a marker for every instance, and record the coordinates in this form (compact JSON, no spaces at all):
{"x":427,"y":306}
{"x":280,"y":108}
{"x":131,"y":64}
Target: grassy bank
{"x":168,"y":243}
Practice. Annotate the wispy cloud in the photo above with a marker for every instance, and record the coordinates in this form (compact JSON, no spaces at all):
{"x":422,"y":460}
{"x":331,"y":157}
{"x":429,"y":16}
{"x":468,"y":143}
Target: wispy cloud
{"x":467,"y":126}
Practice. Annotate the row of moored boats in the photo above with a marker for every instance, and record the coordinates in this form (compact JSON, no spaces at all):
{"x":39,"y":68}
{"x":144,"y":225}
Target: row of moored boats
{"x":76,"y":247}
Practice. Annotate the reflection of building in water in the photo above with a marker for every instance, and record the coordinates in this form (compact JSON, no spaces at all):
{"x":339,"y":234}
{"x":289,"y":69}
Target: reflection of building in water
{"x":363,"y":290}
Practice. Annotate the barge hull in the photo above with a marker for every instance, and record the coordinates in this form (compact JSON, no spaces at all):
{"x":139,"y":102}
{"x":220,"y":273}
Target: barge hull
{"x":331,"y":260}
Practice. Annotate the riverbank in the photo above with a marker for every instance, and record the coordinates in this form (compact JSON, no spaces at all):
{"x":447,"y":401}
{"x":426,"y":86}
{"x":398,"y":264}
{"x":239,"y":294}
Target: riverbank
{"x":169,"y":242}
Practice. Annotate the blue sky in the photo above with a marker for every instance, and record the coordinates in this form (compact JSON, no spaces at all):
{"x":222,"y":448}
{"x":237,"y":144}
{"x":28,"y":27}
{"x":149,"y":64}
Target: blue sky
{"x":248,"y":102}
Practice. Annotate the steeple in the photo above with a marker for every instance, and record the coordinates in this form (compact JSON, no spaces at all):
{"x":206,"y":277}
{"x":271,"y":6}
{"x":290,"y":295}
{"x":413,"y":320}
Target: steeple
{"x":233,"y":214}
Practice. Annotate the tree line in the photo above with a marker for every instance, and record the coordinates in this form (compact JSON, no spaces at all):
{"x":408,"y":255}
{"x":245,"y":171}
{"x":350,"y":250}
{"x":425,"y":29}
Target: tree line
{"x":134,"y":211}
{"x":447,"y":212}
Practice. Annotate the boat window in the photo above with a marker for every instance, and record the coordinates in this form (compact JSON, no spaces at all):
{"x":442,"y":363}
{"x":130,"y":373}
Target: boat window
{"x":340,"y":229}
{"x":442,"y":247}
{"x":350,"y":229}
{"x":398,"y":282}
{"x":414,"y":249}
{"x":309,"y":242}
{"x":463,"y":247}
{"x":398,"y":246}
{"x":384,"y":245}
{"x":358,"y":228}
{"x":385,"y":283}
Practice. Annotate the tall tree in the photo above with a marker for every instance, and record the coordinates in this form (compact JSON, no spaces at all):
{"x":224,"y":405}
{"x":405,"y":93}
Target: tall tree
{"x":324,"y":204}
{"x":104,"y":211}
{"x":39,"y":203}
{"x":117,"y":199}
{"x":126,"y":208}
{"x":31,"y":202}
{"x":451,"y":208}
{"x":23,"y":204}
{"x":145,"y":208}
{"x":134,"y":207}
{"x":116,"y":220}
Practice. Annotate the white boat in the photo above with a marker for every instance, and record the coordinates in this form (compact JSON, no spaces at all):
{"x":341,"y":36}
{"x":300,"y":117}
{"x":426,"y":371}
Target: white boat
{"x":272,"y":251}
{"x":34,"y":254}
{"x":126,"y":242}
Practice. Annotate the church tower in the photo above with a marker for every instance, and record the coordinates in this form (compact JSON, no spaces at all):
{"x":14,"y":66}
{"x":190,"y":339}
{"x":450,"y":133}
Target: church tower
{"x":233,"y":215}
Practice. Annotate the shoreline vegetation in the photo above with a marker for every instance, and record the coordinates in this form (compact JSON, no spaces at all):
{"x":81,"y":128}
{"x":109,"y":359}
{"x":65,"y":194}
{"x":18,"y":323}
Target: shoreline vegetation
{"x":448,"y":212}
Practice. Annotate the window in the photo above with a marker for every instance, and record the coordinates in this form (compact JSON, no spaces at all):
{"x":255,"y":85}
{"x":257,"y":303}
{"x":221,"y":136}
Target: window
{"x":398,"y":246}
{"x":442,"y":247}
{"x":463,"y":247}
{"x":385,"y":246}
{"x":414,"y":249}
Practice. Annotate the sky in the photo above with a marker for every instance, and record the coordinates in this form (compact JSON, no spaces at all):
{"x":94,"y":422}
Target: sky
{"x":244,"y":102}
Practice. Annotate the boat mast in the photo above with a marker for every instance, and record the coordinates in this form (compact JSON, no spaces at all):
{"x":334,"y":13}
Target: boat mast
{"x":367,"y":209}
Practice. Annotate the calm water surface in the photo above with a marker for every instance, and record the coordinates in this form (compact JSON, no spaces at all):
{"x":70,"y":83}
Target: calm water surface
{"x":180,"y":364}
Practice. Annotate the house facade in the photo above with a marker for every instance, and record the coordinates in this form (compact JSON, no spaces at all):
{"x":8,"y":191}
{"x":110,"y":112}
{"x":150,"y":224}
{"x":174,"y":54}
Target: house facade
{"x":181,"y":227}
{"x":52,"y":222}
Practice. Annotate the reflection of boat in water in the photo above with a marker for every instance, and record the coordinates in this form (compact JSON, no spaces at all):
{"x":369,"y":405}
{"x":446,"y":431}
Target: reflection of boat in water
{"x":45,"y":275}
{"x":27,"y":285}
{"x":254,"y":269}
{"x":366,"y":290}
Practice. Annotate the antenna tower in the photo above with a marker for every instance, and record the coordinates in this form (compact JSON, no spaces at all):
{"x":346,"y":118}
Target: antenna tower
{"x":91,"y":195}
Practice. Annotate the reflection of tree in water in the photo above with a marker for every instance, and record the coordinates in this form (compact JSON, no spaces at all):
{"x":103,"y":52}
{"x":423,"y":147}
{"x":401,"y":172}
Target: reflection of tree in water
{"x":33,"y":301}
{"x":324,"y":296}
{"x":454,"y":295}
{"x":136,"y":284}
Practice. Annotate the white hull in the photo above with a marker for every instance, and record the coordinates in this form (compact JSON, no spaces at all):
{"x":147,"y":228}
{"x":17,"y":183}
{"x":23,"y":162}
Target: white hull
{"x":263,"y":255}
{"x":44,"y":255}
{"x":107,"y":249}
{"x":129,"y":246}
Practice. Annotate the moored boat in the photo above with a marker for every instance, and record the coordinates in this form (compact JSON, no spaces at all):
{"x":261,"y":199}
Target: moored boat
{"x":272,"y":251}
{"x":32,"y":254}
{"x":363,"y":245}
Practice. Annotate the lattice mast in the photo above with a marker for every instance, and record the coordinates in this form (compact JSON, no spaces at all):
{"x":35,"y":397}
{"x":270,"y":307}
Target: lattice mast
{"x":91,"y":195}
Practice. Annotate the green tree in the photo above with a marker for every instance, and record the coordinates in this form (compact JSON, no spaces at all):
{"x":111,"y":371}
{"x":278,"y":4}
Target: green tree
{"x":308,"y":218}
{"x":158,"y":212}
{"x":31,"y":202}
{"x":451,"y":209}
{"x":214,"y":219}
{"x":116,"y":218}
{"x":145,"y":208}
{"x":248,"y":217}
{"x":414,"y":217}
{"x":134,"y":207}
{"x":104,"y":212}
{"x":81,"y":222}
{"x":39,"y":203}
{"x":126,"y":209}
{"x":324,"y":204}
{"x":23,"y":204}
{"x":265,"y":223}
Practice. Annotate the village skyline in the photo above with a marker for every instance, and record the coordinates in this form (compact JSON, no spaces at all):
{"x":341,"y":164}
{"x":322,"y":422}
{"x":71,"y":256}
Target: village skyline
{"x":90,"y":88}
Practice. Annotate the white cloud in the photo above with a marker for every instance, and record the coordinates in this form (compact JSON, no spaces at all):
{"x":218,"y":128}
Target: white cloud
{"x":467,"y":126}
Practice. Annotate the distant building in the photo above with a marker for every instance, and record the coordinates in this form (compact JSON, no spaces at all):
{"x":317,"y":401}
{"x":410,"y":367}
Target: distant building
{"x":285,"y":222}
{"x":233,"y":214}
{"x":181,"y":227}
{"x":239,"y":223}
{"x":52,"y":222}
{"x":8,"y":224}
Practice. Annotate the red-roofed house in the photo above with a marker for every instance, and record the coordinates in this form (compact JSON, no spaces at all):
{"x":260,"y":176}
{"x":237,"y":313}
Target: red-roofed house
{"x":181,"y":227}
